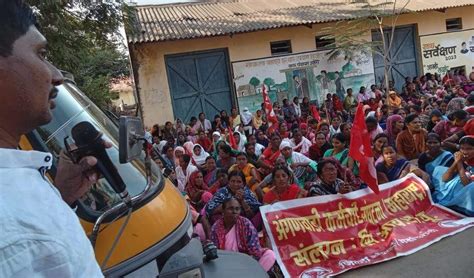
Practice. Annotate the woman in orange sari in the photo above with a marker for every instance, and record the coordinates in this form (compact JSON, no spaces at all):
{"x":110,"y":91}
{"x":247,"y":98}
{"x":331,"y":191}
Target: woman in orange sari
{"x":252,"y":177}
{"x":393,"y":101}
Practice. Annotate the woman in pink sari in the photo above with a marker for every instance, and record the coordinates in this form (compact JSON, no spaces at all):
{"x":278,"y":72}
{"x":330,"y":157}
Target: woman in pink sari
{"x":236,"y":233}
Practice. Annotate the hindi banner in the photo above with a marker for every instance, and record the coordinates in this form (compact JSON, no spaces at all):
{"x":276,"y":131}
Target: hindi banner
{"x":327,"y":235}
{"x":443,"y":52}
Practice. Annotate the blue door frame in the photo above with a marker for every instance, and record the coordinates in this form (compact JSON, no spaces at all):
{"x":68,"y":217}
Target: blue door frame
{"x":403,"y":56}
{"x":199,"y":82}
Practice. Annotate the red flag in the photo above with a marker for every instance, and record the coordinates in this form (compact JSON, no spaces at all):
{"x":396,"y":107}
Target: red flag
{"x":271,"y":117}
{"x":232,"y":142}
{"x":315,"y":112}
{"x":361,"y":150}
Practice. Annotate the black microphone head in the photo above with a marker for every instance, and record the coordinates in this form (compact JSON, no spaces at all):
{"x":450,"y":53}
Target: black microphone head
{"x":84,"y":133}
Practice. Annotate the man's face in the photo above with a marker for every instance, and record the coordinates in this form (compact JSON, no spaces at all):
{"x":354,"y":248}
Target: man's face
{"x":298,"y":136}
{"x":27,"y":84}
{"x":250,"y":150}
{"x":371,"y":126}
{"x":252,"y":139}
{"x":182,"y":163}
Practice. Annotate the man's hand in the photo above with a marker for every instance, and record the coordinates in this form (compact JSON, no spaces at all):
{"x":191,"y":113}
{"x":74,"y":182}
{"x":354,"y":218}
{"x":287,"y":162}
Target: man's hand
{"x":345,"y":188}
{"x":239,"y":195}
{"x":74,"y":180}
{"x":458,"y":157}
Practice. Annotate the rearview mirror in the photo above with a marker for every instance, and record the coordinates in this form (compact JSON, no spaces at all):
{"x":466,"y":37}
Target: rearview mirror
{"x":131,"y":136}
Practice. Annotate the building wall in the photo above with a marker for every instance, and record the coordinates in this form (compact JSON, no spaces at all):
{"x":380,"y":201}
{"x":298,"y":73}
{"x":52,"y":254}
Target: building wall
{"x":153,"y":83}
{"x":125,"y":97}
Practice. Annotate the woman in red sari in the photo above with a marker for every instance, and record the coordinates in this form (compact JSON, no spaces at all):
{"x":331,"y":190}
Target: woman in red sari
{"x":197,"y":190}
{"x":270,"y":154}
{"x":282,"y":190}
{"x":319,"y":147}
{"x":337,"y":103}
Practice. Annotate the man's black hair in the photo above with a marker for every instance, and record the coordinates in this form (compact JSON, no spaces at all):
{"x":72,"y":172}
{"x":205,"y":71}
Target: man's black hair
{"x":470,"y":98}
{"x":247,"y":145}
{"x":410,"y":118}
{"x":415,"y":107}
{"x":16,"y":17}
{"x":166,"y":148}
{"x":371,"y":119}
{"x":226,"y":149}
{"x":186,"y":158}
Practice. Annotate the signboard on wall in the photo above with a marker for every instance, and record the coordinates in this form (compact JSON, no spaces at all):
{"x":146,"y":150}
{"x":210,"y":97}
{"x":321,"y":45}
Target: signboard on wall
{"x":309,"y":74}
{"x":442,"y":52}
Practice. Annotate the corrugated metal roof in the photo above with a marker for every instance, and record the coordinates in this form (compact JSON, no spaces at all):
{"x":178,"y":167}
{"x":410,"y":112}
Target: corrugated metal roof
{"x":197,"y":20}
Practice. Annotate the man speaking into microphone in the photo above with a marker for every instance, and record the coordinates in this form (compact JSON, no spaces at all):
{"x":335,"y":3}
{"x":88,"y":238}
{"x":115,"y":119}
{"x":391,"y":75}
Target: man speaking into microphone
{"x":40,"y":235}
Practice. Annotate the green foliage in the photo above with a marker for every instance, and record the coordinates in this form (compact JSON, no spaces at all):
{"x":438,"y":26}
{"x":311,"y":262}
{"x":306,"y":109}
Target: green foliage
{"x":254,"y":81}
{"x":84,"y":39}
{"x":269,"y":82}
{"x":373,"y":16}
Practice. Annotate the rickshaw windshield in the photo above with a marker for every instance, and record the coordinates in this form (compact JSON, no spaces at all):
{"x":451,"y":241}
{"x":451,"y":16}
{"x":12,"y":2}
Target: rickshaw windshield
{"x":72,"y":107}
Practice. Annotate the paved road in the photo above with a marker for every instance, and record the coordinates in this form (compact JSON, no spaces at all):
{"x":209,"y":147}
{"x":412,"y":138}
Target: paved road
{"x":451,"y":257}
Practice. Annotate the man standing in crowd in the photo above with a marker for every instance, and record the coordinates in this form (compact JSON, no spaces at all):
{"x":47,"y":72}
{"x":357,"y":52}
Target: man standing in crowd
{"x":349,"y":100}
{"x":41,"y":235}
{"x":204,"y":124}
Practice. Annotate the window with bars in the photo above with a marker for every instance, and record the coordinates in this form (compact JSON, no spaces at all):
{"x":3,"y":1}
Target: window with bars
{"x":325,"y":43}
{"x":453,"y":24}
{"x":280,"y":47}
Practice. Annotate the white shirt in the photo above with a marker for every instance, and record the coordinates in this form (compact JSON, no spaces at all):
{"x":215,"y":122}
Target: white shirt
{"x":259,"y":148}
{"x":297,"y":109}
{"x":302,"y":147}
{"x":40,"y":234}
{"x":182,"y":177}
{"x":333,"y":131}
{"x":206,"y":126}
{"x":148,"y":137}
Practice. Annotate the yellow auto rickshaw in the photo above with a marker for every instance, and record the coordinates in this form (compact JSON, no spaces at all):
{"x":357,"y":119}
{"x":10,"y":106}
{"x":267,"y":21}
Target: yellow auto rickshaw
{"x":153,"y":236}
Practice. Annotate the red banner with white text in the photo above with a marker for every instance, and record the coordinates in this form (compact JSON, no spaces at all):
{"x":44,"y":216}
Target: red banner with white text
{"x":327,"y":235}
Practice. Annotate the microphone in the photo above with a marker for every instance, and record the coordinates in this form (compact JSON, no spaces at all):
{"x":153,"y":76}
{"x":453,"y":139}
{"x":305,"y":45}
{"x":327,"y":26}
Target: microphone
{"x":89,"y":143}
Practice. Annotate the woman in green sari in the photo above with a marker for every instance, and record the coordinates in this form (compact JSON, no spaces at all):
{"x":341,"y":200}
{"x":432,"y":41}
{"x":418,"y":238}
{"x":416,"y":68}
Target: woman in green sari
{"x":341,"y":153}
{"x":339,"y":150}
